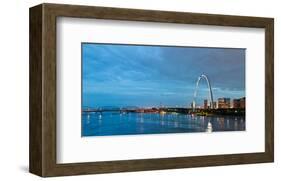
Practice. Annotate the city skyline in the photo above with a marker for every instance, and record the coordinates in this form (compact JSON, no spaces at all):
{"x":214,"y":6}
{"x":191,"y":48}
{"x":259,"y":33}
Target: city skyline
{"x":224,"y":102}
{"x":148,"y":76}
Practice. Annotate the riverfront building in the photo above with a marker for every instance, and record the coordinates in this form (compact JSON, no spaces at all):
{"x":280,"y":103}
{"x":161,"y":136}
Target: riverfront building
{"x":223,"y":103}
{"x":215,"y":105}
{"x":206,"y":104}
{"x":236,"y":103}
{"x":239,"y":103}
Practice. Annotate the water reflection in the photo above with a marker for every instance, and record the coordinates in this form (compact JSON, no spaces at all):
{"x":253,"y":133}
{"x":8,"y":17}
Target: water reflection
{"x":209,"y":127}
{"x":116,"y":123}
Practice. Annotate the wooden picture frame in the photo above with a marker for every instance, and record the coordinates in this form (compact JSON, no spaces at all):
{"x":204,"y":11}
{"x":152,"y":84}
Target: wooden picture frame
{"x":42,"y":139}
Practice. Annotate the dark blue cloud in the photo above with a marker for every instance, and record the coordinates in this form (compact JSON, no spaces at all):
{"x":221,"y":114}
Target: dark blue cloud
{"x":130,"y":75}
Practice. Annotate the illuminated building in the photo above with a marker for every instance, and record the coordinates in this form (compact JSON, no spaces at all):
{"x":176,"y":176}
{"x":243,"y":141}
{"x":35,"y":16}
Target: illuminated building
{"x":223,"y":103}
{"x":242,"y":102}
{"x":205,"y":104}
{"x":239,"y":103}
{"x":215,"y":105}
{"x":236,"y":103}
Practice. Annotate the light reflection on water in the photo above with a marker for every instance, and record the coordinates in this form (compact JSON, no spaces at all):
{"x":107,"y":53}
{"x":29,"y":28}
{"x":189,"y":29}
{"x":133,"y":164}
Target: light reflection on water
{"x":114,"y":123}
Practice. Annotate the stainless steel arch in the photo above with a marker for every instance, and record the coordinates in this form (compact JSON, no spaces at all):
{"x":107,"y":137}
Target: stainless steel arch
{"x":210,"y":91}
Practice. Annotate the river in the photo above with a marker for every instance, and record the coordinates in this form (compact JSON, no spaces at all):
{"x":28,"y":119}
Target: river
{"x":114,"y":123}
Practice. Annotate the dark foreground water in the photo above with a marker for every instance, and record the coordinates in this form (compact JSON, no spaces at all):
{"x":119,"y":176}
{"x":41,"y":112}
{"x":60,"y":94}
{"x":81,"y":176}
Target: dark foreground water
{"x":114,"y":123}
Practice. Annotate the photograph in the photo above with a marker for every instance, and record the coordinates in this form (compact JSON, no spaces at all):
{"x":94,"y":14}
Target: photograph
{"x":153,"y":89}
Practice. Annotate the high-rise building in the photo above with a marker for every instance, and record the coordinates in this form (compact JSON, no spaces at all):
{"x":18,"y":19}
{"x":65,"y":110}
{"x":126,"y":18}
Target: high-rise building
{"x":239,"y":103}
{"x":205,"y":104}
{"x":223,"y":103}
{"x":227,"y":102}
{"x":214,"y":105}
{"x":242,"y":102}
{"x":236,"y":103}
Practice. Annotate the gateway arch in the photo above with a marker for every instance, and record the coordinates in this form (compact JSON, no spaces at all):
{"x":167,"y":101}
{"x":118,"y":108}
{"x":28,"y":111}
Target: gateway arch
{"x":203,"y":76}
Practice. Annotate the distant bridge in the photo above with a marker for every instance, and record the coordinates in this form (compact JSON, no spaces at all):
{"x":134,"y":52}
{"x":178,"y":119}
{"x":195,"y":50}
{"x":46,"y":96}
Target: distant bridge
{"x":107,"y":110}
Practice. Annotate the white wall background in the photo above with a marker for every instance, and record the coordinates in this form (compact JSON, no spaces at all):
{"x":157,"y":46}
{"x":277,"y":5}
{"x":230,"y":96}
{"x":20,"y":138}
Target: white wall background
{"x":14,"y":89}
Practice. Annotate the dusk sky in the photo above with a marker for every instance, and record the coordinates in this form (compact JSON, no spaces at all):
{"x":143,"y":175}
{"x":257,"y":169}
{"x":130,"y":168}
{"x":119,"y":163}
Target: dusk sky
{"x":131,"y":75}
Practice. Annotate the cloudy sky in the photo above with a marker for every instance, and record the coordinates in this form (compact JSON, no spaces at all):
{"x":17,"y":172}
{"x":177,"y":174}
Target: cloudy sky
{"x":130,"y":75}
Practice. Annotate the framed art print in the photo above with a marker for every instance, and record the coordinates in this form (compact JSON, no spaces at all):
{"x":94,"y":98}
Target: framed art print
{"x":143,"y":89}
{"x":114,"y":90}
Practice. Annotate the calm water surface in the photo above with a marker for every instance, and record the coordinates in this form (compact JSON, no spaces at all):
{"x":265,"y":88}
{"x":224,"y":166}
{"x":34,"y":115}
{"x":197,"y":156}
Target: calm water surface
{"x":114,"y":123}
